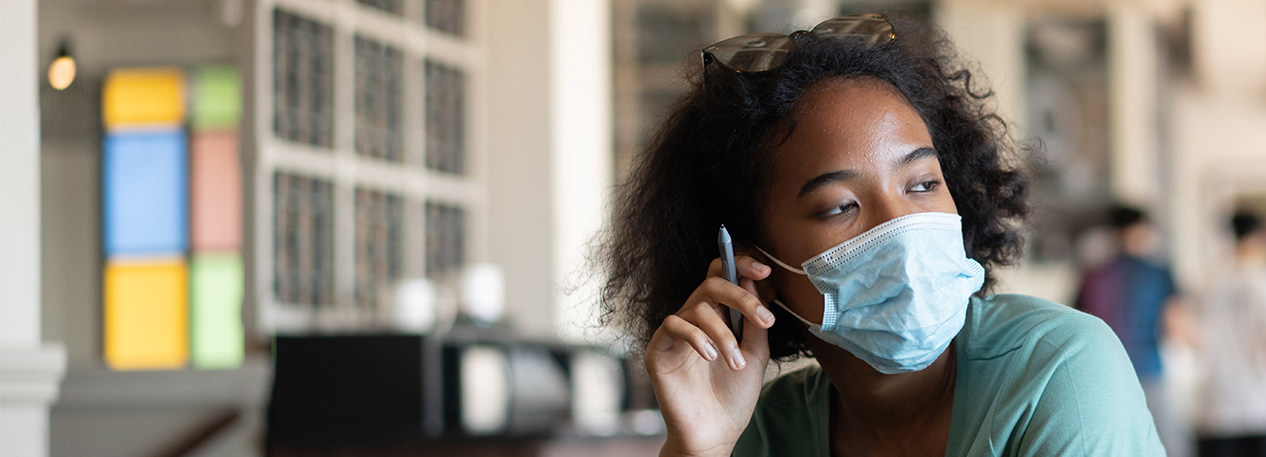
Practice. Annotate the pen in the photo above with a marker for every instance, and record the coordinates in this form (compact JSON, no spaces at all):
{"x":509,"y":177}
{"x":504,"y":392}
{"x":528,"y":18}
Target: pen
{"x":727,"y":265}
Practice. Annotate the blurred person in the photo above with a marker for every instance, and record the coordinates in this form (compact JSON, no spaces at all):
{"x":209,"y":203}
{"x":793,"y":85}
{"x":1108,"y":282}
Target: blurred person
{"x":1231,"y":420}
{"x":861,"y":163}
{"x":1138,"y":299}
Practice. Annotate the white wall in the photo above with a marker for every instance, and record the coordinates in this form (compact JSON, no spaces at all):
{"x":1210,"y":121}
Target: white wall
{"x":102,"y":34}
{"x":101,"y":412}
{"x":990,"y":34}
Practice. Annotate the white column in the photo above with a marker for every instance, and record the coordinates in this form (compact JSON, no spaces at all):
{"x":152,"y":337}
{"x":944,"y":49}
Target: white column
{"x":519,"y":204}
{"x":19,"y":177}
{"x":549,"y":152}
{"x":29,"y":372}
{"x":581,"y":158}
{"x":1134,"y":161}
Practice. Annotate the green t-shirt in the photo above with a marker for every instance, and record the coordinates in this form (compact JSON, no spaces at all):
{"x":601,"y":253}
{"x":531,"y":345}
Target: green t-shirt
{"x":1035,"y":378}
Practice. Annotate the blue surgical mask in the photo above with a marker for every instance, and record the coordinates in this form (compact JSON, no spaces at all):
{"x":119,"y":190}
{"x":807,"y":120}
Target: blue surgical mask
{"x":895,"y":296}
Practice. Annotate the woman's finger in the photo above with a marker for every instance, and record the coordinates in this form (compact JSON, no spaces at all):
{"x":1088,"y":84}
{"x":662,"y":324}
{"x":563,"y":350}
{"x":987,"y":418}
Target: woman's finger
{"x":704,"y":316}
{"x":676,"y":328}
{"x":722,"y":292}
{"x":746,"y":267}
{"x":749,"y":267}
{"x":755,"y":340}
{"x":750,"y":286}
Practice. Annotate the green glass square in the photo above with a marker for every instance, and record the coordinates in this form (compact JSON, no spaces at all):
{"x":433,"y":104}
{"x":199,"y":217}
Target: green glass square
{"x":216,"y":288}
{"x":217,"y":98}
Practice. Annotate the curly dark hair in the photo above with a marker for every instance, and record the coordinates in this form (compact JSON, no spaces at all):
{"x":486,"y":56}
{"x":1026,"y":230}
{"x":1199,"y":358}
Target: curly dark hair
{"x":708,"y":163}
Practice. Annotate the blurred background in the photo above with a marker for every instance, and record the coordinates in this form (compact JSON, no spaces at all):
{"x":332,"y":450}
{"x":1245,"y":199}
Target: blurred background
{"x":359,"y":227}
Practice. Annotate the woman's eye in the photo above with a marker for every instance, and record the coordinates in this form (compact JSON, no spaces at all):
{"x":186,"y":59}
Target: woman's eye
{"x":841,"y":209}
{"x":926,"y":186}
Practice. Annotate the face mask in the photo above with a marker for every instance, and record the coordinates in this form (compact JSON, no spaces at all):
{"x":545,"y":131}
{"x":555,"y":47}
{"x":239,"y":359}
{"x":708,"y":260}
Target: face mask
{"x":896,"y":295}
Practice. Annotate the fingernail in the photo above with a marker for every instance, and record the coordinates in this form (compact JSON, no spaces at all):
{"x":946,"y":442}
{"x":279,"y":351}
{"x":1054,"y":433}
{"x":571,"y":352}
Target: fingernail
{"x":710,"y":350}
{"x":737,"y":355}
{"x":760,"y":266}
{"x":764,"y":314}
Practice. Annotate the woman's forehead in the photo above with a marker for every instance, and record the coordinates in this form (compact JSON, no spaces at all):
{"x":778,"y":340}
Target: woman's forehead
{"x":850,"y":124}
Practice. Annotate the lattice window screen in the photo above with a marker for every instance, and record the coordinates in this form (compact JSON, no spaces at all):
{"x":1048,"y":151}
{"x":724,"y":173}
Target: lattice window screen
{"x":303,"y":83}
{"x":379,"y":73}
{"x":447,"y":16}
{"x":379,"y":245}
{"x":390,"y":6}
{"x":445,"y":118}
{"x":303,"y":240}
{"x":445,"y":238}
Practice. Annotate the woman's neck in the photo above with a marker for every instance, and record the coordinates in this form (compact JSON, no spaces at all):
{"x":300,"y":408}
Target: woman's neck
{"x":874,"y":413}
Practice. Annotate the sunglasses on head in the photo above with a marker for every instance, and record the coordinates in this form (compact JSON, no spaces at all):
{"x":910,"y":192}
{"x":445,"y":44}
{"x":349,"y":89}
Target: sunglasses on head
{"x":757,"y":52}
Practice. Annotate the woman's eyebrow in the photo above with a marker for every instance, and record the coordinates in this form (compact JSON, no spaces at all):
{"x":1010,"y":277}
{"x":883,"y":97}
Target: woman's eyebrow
{"x":846,"y":175}
{"x":826,"y":178}
{"x":917,"y":154}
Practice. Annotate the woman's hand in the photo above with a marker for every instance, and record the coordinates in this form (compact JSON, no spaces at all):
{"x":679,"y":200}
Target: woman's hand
{"x":706,"y":382}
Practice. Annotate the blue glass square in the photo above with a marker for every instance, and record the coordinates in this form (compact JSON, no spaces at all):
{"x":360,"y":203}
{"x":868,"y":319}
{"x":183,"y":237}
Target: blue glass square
{"x":145,"y":179}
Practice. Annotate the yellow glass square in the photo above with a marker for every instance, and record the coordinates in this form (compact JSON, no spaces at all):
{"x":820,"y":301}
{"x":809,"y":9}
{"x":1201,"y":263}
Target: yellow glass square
{"x":143,"y":97}
{"x":146,"y":314}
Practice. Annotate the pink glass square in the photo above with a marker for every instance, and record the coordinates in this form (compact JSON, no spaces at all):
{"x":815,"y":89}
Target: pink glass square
{"x":215,"y":177}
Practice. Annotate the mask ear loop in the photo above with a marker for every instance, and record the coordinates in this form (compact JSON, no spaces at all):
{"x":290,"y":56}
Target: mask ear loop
{"x":793,"y":313}
{"x":793,"y":270}
{"x":781,"y":264}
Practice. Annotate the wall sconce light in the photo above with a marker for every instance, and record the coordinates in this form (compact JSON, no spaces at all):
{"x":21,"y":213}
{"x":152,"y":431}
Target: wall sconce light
{"x":62,"y":71}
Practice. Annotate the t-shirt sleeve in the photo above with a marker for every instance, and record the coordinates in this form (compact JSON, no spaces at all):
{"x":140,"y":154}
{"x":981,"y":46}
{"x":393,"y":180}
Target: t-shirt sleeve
{"x":1091,"y":404}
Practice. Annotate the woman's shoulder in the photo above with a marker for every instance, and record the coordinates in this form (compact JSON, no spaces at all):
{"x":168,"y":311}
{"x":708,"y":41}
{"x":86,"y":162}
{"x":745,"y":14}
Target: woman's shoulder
{"x":1042,"y":378}
{"x":998,"y":324}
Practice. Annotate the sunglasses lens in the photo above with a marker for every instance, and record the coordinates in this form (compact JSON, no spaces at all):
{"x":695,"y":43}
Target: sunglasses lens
{"x":874,"y":28}
{"x":751,"y":53}
{"x":766,"y":51}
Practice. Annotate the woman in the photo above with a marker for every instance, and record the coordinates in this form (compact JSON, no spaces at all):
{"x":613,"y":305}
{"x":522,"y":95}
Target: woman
{"x":846,"y":157}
